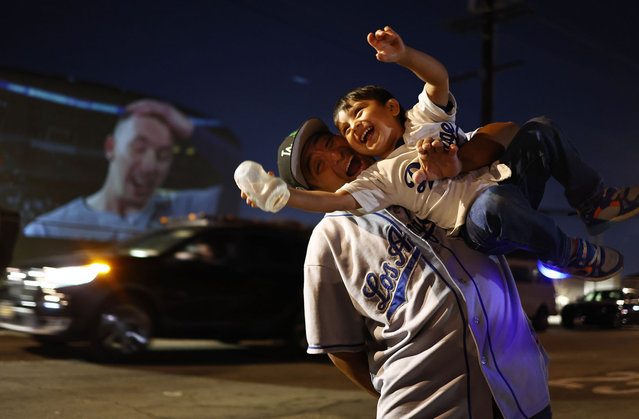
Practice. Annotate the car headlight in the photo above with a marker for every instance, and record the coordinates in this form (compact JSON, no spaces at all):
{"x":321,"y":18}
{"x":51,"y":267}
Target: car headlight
{"x":562,"y":300}
{"x":70,"y":275}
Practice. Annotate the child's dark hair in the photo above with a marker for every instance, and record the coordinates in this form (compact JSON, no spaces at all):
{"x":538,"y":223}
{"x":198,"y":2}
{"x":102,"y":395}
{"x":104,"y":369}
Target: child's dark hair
{"x":369,"y":92}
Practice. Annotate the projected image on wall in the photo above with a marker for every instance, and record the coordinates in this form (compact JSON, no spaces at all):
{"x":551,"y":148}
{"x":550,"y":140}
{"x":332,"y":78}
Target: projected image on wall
{"x":78,"y":162}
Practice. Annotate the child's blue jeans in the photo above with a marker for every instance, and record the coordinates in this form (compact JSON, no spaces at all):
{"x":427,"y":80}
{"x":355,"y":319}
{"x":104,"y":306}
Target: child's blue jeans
{"x":505,"y":217}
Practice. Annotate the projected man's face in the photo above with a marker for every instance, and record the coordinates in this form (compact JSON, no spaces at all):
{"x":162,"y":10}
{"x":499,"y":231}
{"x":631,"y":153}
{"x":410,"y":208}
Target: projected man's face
{"x":140,"y":155}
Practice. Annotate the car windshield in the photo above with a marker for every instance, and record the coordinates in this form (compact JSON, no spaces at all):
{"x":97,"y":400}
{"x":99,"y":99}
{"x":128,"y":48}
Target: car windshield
{"x":156,"y":243}
{"x":603,"y":295}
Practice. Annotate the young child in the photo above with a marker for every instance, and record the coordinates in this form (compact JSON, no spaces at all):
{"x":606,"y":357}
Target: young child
{"x":493,"y":207}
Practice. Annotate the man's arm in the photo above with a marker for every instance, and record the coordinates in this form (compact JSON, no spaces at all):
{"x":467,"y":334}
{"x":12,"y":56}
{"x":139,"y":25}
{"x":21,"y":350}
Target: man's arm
{"x":354,"y":365}
{"x":391,"y":49}
{"x":487,"y":145}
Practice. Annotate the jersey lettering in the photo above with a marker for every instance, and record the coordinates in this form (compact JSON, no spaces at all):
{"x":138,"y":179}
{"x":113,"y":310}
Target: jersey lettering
{"x":423,"y":228}
{"x":389,"y":287}
{"x":448,"y":134}
{"x":408,"y":178}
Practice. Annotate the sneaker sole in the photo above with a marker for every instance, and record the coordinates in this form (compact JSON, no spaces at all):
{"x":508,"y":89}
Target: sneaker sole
{"x":585,"y":277}
{"x":595,"y":279}
{"x":600,"y":228}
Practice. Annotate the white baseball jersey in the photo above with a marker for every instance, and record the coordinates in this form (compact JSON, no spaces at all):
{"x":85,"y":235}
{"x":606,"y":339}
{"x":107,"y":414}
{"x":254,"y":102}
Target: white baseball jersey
{"x":442,"y":324}
{"x":445,"y":202}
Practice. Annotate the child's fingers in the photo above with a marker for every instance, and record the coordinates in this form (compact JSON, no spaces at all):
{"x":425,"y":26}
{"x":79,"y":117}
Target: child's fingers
{"x":437,"y":145}
{"x":419,"y":176}
{"x":380,"y":34}
{"x":248,"y":201}
{"x":424,"y":146}
{"x":427,"y":145}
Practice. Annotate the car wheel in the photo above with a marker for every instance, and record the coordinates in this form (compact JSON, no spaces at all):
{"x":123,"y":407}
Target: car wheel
{"x":540,"y":321}
{"x":567,"y":320}
{"x":123,"y":331}
{"x":612,"y":321}
{"x":52,"y":341}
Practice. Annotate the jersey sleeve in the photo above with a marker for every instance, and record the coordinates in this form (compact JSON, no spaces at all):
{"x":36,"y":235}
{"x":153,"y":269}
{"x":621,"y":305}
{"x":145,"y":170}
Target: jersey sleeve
{"x":425,"y":110}
{"x":332,"y":322}
{"x":371,"y":190}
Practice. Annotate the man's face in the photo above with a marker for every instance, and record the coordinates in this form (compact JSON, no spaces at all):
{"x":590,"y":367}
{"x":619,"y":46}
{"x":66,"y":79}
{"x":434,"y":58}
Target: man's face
{"x":370,"y":127}
{"x":328,"y":162}
{"x":140,"y":157}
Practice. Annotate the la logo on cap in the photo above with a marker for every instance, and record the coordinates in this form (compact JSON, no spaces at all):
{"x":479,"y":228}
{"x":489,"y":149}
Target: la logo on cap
{"x":287,"y":151}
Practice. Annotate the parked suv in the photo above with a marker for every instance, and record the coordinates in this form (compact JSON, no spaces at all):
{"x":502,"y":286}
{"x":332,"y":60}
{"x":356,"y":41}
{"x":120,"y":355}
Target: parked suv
{"x":609,"y":308}
{"x":224,"y":279}
{"x":536,"y":291}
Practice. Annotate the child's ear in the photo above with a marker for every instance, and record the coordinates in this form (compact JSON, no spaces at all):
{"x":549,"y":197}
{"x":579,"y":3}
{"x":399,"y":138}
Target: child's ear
{"x":393,"y":106}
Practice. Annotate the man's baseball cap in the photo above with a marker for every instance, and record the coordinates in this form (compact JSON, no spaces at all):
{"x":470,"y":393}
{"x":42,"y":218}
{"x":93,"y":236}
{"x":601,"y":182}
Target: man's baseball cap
{"x":289,"y":155}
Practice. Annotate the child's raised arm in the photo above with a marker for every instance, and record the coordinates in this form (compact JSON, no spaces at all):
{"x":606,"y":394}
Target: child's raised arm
{"x":391,"y":49}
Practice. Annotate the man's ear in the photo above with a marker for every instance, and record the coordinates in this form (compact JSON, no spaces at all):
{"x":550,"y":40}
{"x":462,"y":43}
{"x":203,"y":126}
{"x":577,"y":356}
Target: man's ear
{"x":392,"y":105}
{"x":109,"y":147}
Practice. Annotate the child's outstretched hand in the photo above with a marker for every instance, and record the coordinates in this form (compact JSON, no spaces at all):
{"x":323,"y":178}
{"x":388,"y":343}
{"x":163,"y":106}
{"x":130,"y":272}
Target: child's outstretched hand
{"x":388,"y":44}
{"x":436,"y":162}
{"x":248,"y":200}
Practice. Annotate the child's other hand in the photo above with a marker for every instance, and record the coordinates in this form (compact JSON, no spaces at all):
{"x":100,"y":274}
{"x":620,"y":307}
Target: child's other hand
{"x":388,"y":44}
{"x":436,"y":162}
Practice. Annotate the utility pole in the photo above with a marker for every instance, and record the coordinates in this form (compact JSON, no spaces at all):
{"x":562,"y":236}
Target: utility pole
{"x":488,"y":59}
{"x":483,"y":15}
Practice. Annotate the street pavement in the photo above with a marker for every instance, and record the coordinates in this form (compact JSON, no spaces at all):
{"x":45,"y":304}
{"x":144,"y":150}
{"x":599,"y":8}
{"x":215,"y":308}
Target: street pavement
{"x":593,"y":374}
{"x":76,"y":389}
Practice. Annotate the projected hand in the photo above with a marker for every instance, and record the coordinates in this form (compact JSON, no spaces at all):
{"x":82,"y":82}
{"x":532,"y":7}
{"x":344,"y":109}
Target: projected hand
{"x":178,"y":122}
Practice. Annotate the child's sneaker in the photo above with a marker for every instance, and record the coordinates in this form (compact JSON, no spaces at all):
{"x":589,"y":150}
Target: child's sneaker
{"x":615,"y":205}
{"x":592,"y":262}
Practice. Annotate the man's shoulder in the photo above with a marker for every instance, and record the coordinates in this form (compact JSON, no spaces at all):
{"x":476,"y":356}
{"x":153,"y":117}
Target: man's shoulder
{"x":67,"y":211}
{"x":184,"y":201}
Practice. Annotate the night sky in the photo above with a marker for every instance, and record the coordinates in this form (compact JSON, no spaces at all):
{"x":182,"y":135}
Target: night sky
{"x":263,"y":67}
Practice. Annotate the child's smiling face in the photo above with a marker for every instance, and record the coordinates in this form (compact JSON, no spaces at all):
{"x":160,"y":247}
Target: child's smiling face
{"x":370,"y":127}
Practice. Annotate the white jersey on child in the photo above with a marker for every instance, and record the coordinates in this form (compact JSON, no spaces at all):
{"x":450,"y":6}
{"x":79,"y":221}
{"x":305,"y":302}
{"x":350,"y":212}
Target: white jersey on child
{"x":389,"y":181}
{"x":444,"y":202}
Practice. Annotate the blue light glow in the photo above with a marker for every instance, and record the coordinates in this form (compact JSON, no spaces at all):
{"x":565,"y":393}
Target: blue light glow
{"x":549,"y":272}
{"x":65,"y":100}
